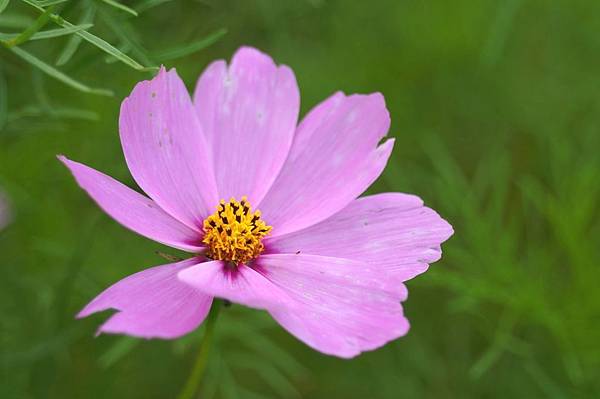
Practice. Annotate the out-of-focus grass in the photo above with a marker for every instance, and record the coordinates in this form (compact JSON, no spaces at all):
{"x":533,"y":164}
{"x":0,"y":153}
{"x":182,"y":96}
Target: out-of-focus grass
{"x":495,"y":111}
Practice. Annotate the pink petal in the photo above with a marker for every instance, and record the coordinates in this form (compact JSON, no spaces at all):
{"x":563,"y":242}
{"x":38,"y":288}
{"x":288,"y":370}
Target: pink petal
{"x":333,"y":159}
{"x":133,"y":210}
{"x":165,"y":148}
{"x":340,"y":307}
{"x":394,"y":233}
{"x":242,"y":285}
{"x":152,"y":304}
{"x":248,"y":113}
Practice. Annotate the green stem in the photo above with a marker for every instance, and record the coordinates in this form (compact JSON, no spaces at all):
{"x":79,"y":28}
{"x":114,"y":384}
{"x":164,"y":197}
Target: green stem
{"x":193,"y":381}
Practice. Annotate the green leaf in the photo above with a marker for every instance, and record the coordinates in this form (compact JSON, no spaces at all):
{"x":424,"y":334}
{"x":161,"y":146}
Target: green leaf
{"x":111,"y":60}
{"x":48,"y":34}
{"x":31,"y":30}
{"x":187,"y":49}
{"x":148,"y":4}
{"x":120,"y":6}
{"x":34,"y":4}
{"x":128,"y":37}
{"x":74,"y":42}
{"x":96,"y":41}
{"x":48,"y":3}
{"x":110,"y":49}
{"x":3,"y":4}
{"x":56,"y":74}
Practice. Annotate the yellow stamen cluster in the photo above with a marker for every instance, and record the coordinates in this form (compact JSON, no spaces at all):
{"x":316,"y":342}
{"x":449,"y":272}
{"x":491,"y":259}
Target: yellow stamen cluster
{"x":234,"y":233}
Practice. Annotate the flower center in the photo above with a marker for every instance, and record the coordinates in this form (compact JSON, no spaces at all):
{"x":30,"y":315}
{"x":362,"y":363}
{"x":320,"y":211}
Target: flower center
{"x":234,"y":233}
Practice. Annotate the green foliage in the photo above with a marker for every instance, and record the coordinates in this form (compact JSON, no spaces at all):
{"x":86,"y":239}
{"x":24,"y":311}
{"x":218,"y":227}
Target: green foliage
{"x":55,"y":73}
{"x":30,"y":31}
{"x":3,"y":5}
{"x":48,"y":34}
{"x":496,"y":117}
{"x":87,"y":11}
{"x":121,"y":7}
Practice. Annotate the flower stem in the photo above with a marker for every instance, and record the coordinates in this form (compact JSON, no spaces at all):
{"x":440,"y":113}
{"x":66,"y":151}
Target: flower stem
{"x":193,"y":381}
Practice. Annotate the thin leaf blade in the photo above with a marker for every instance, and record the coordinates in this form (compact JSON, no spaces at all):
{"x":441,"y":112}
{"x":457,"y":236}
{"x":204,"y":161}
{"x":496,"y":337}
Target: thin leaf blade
{"x":31,"y":30}
{"x":122,"y":7}
{"x":3,"y":5}
{"x":189,"y":48}
{"x":52,"y":33}
{"x":96,"y":41}
{"x":49,"y":3}
{"x":73,"y":44}
{"x":56,"y":74}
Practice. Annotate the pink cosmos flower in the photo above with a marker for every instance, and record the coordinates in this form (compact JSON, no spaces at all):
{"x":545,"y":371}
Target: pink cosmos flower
{"x":327,"y":266}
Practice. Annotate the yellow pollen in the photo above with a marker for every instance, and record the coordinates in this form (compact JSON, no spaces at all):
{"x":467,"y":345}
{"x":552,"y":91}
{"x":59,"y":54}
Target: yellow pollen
{"x":234,"y":233}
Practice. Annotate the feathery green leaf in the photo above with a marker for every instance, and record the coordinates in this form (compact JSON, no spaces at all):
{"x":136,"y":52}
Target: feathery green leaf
{"x":75,"y":40}
{"x":55,"y":73}
{"x":121,"y":7}
{"x":148,"y":4}
{"x":96,"y":41}
{"x":129,"y":40}
{"x":3,"y":4}
{"x":189,"y":48}
{"x":51,"y":33}
{"x":48,"y":3}
{"x":31,"y":30}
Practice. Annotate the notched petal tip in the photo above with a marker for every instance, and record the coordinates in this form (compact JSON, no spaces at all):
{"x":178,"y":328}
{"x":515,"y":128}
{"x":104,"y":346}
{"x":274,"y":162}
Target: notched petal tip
{"x":163,"y":74}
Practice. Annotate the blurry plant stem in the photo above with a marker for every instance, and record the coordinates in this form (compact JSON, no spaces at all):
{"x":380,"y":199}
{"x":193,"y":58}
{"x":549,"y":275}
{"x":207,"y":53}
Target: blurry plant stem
{"x":193,"y":382}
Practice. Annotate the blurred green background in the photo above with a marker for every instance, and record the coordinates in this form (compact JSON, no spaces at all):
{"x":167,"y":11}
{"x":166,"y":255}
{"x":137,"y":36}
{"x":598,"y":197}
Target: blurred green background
{"x":496,"y":113}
